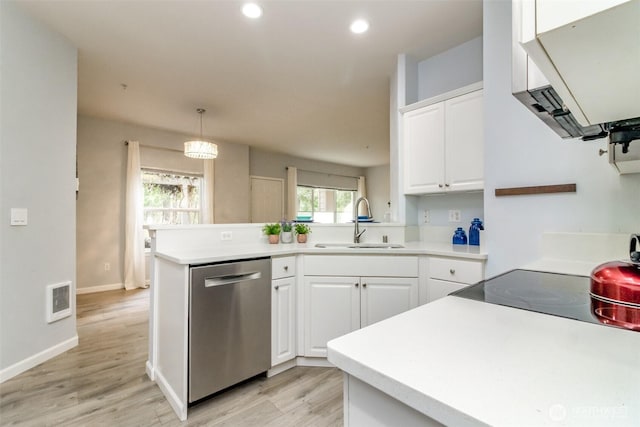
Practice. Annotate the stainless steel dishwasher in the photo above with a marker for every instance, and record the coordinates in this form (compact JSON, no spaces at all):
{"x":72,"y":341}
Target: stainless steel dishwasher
{"x":229,"y":324}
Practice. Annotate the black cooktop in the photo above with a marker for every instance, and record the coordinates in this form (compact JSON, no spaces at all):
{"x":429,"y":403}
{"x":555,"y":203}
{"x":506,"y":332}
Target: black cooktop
{"x":561,"y":295}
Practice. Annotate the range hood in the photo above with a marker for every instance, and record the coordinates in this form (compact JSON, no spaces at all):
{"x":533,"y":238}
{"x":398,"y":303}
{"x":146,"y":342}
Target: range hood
{"x":577,"y":65}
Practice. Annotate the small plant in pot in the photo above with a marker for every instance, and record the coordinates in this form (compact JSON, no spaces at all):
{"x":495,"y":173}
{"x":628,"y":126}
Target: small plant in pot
{"x":272,"y":231}
{"x":301,"y":231}
{"x":287,"y":231}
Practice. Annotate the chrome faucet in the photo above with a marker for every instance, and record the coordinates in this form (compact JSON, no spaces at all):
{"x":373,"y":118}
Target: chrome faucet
{"x":356,"y":231}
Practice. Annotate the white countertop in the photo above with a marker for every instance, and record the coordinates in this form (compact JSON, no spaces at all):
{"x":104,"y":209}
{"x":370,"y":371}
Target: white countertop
{"x":469,"y":363}
{"x":231,"y":252}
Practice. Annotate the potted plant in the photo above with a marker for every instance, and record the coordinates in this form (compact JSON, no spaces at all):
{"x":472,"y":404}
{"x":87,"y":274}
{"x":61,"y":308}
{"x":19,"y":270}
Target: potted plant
{"x":287,"y":231}
{"x":301,"y":231}
{"x":272,"y":231}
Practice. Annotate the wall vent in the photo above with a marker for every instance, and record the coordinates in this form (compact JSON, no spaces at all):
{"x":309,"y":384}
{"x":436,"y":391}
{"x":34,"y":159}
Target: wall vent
{"x":58,"y":301}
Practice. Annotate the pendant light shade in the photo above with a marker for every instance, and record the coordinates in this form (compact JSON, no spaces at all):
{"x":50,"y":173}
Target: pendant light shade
{"x":200,"y":149}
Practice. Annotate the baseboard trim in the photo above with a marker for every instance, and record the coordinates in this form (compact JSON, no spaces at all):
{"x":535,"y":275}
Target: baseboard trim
{"x":314,"y":361}
{"x":278,"y":369}
{"x":178,"y":407}
{"x":150,"y":371}
{"x":36,"y":359}
{"x":101,"y":288}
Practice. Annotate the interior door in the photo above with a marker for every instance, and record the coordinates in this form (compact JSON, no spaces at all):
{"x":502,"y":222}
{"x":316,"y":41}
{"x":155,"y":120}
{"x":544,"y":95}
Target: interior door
{"x":267,"y":199}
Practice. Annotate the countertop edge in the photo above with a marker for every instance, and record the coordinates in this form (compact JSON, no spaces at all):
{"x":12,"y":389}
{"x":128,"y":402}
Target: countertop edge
{"x":203,"y":256}
{"x":405,"y":394}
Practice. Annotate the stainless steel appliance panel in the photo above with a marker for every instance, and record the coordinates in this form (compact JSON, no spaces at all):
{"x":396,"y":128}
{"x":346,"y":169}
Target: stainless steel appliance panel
{"x":229,"y":324}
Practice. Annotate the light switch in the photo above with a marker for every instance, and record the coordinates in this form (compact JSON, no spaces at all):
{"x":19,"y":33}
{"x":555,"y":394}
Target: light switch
{"x":18,"y":216}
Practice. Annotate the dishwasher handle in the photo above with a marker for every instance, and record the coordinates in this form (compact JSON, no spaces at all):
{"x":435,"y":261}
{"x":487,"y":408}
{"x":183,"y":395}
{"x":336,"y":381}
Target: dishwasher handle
{"x":233,"y":278}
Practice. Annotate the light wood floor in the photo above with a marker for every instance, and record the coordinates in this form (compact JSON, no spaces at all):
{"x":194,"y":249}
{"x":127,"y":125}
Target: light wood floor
{"x":102,"y":382}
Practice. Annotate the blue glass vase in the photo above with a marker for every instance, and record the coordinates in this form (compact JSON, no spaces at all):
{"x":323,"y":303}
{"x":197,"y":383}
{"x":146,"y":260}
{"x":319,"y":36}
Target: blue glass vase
{"x":474,"y":231}
{"x":459,"y":237}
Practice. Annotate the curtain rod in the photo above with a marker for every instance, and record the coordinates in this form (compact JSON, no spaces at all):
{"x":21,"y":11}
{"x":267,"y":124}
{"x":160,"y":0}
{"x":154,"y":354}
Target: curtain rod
{"x":325,"y":173}
{"x":155,"y":148}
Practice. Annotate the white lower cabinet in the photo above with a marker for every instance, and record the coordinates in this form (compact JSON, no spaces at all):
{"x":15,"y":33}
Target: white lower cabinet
{"x":283,"y":310}
{"x":441,"y":288}
{"x":332,"y":310}
{"x":339,"y":305}
{"x":336,"y":304}
{"x":384,"y":297}
{"x":447,"y":275}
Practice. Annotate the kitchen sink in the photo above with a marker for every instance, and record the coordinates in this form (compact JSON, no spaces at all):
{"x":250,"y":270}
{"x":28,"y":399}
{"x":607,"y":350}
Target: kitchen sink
{"x":360,"y":245}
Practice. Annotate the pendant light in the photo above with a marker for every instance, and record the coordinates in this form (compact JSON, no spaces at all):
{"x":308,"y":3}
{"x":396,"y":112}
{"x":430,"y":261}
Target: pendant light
{"x":200,"y":149}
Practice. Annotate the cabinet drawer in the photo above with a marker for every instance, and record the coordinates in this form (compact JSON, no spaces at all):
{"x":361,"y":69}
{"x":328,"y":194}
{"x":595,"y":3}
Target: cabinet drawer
{"x":456,"y":270}
{"x":283,"y":267}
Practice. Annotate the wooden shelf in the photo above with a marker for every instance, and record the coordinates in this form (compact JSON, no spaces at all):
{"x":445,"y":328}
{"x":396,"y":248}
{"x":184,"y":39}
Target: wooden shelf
{"x":538,"y":189}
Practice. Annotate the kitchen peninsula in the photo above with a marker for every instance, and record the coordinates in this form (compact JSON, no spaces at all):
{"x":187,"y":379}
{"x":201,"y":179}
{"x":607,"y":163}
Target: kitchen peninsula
{"x":467,"y":363}
{"x":464,"y":362}
{"x":355,"y":286}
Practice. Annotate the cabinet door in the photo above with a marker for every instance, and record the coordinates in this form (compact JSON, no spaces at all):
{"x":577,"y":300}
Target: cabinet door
{"x":423,"y":159}
{"x":383,"y":297}
{"x":332,"y":309}
{"x":464,"y":148}
{"x":554,"y":14}
{"x":441,"y":288}
{"x":283,"y":320}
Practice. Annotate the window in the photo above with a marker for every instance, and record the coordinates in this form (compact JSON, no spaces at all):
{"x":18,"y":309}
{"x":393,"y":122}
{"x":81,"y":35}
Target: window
{"x":325,"y":205}
{"x":171,"y":198}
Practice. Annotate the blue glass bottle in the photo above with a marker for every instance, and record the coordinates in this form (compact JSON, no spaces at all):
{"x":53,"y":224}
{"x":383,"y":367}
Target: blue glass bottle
{"x":459,"y":237}
{"x":474,"y":231}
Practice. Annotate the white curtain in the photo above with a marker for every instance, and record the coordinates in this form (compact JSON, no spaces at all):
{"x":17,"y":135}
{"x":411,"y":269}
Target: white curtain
{"x":134,"y":238}
{"x":207,"y":192}
{"x":292,"y":193}
{"x":362,"y":192}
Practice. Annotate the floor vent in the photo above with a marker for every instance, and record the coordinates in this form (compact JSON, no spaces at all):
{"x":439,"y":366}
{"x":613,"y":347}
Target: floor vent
{"x":58,"y":301}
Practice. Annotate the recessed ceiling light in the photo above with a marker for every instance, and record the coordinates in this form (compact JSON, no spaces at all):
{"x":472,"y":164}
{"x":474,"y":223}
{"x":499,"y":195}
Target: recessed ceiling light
{"x":359,"y":26}
{"x":252,"y":10}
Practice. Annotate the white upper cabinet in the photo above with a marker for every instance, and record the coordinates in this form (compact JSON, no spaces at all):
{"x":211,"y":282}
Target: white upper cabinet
{"x":424,"y":149}
{"x":589,"y":51}
{"x":551,"y":14}
{"x":464,"y":145}
{"x":444,"y":145}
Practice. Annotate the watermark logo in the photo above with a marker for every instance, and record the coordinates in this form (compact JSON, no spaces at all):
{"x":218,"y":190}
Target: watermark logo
{"x":559,"y":412}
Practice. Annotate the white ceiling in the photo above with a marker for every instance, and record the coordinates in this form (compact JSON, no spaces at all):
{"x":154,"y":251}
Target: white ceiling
{"x":294,"y":81}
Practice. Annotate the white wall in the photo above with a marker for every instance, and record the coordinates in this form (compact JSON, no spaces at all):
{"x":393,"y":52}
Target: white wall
{"x":470,"y":206}
{"x":521,"y":151}
{"x":38,"y":139}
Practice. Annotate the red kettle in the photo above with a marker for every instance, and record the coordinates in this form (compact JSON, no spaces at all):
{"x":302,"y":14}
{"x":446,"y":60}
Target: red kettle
{"x":615,"y":290}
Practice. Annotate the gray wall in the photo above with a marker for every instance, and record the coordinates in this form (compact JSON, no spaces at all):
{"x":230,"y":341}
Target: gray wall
{"x":102,"y":158}
{"x":449,"y":70}
{"x":521,"y":151}
{"x":37,"y":172}
{"x":102,"y":172}
{"x":274,"y":165}
{"x":377,"y":179}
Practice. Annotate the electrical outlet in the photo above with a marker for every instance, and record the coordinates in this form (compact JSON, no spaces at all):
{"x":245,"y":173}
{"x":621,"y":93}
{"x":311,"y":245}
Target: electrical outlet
{"x":454,"y":216}
{"x":226,"y":235}
{"x":107,"y":266}
{"x":427,"y":216}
